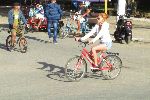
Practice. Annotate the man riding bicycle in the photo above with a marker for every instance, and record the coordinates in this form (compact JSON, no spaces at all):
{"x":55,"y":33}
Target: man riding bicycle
{"x":15,"y":16}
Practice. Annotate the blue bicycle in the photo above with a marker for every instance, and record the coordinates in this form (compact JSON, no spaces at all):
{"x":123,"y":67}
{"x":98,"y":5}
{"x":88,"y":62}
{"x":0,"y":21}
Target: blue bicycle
{"x":70,"y":27}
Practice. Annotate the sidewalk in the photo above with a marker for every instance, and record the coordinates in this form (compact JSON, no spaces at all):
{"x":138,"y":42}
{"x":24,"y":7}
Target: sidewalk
{"x":141,"y":27}
{"x":141,"y":19}
{"x":140,"y":30}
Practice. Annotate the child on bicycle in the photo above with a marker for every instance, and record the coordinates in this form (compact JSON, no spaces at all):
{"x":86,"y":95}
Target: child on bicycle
{"x":102,"y":31}
{"x":81,"y":16}
{"x":15,"y":15}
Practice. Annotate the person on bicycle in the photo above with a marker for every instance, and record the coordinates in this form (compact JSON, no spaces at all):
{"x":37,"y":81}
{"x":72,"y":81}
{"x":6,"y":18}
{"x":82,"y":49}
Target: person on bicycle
{"x":15,"y":16}
{"x":81,"y":17}
{"x":102,"y":31}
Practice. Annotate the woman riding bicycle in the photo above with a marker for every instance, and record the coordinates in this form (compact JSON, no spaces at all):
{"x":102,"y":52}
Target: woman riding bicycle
{"x":15,"y":16}
{"x":102,"y":31}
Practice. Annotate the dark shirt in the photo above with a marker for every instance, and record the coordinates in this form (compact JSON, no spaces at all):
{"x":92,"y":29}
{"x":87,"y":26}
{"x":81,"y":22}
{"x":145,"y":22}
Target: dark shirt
{"x":53,"y":11}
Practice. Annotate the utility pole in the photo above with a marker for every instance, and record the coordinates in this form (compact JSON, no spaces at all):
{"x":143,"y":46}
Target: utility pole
{"x":106,"y":6}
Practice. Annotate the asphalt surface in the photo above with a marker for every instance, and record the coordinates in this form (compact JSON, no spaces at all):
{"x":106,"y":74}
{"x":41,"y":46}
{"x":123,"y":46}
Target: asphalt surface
{"x":39,"y":73}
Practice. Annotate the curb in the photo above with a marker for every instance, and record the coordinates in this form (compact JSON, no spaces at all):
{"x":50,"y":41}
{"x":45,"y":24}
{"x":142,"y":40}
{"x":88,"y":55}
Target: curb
{"x":140,"y":19}
{"x":140,"y":40}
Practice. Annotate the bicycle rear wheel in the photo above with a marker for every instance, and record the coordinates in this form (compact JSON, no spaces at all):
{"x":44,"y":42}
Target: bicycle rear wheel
{"x":23,"y":44}
{"x":75,"y":68}
{"x":111,"y":67}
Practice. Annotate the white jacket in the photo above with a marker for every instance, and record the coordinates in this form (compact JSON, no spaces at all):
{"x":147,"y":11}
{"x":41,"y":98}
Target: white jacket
{"x":102,"y":33}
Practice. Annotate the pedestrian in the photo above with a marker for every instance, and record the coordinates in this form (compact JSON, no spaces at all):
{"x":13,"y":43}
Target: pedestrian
{"x":121,"y":8}
{"x":15,"y":17}
{"x":53,"y":14}
{"x":102,"y":31}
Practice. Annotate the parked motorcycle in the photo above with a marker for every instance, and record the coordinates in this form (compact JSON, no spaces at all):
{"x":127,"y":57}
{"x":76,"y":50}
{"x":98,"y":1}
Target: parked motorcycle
{"x":123,"y":30}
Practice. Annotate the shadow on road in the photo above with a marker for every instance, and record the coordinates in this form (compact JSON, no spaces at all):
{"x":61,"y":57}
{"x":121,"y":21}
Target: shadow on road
{"x":36,"y":39}
{"x":3,"y":46}
{"x":55,"y":72}
{"x":4,"y":27}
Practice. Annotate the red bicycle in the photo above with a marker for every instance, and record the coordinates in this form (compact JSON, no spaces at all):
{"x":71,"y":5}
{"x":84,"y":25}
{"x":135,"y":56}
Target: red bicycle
{"x":109,"y":65}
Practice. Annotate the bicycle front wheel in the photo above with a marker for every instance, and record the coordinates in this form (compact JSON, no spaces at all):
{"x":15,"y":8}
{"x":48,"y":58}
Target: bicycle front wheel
{"x":75,"y":68}
{"x":9,"y":44}
{"x":111,"y":67}
{"x":63,"y":33}
{"x":23,"y":44}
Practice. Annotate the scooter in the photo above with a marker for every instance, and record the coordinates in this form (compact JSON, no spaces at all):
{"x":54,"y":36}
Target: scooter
{"x":123,"y":30}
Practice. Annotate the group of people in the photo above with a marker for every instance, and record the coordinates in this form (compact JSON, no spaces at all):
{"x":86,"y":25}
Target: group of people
{"x":36,"y":12}
{"x":53,"y":13}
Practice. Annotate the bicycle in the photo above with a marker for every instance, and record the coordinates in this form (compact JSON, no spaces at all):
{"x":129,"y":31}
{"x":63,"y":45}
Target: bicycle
{"x":109,"y":65}
{"x":21,"y":40}
{"x":70,"y":28}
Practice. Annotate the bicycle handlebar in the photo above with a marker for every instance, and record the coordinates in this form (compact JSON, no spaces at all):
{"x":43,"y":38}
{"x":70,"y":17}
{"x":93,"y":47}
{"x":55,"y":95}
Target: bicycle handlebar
{"x":83,"y":42}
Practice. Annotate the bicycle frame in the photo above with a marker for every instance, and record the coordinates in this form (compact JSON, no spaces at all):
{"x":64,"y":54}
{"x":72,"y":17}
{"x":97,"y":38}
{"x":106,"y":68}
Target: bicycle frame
{"x":87,"y":55}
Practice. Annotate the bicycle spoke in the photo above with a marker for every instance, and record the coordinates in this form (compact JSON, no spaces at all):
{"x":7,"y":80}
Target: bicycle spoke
{"x":113,"y":64}
{"x":75,"y":69}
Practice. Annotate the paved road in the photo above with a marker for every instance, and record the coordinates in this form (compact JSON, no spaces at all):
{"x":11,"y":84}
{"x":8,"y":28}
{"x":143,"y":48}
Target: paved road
{"x":35,"y":74}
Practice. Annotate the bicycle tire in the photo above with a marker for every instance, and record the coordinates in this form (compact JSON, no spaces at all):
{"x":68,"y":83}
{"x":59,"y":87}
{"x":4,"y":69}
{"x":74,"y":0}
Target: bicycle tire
{"x":63,"y":33}
{"x":23,"y":45}
{"x":9,"y":43}
{"x":128,"y":39}
{"x":75,"y":74}
{"x":114,"y":72}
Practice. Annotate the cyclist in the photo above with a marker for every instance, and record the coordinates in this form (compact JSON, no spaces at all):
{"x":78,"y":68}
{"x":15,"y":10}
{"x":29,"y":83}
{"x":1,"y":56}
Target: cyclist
{"x":15,"y":16}
{"x":81,"y":17}
{"x":102,"y":31}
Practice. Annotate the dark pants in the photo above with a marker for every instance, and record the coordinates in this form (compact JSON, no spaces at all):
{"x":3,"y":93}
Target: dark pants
{"x":53,"y":23}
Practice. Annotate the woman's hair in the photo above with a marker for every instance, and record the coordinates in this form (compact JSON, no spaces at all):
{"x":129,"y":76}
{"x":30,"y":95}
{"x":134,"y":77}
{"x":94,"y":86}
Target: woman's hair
{"x":104,"y":15}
